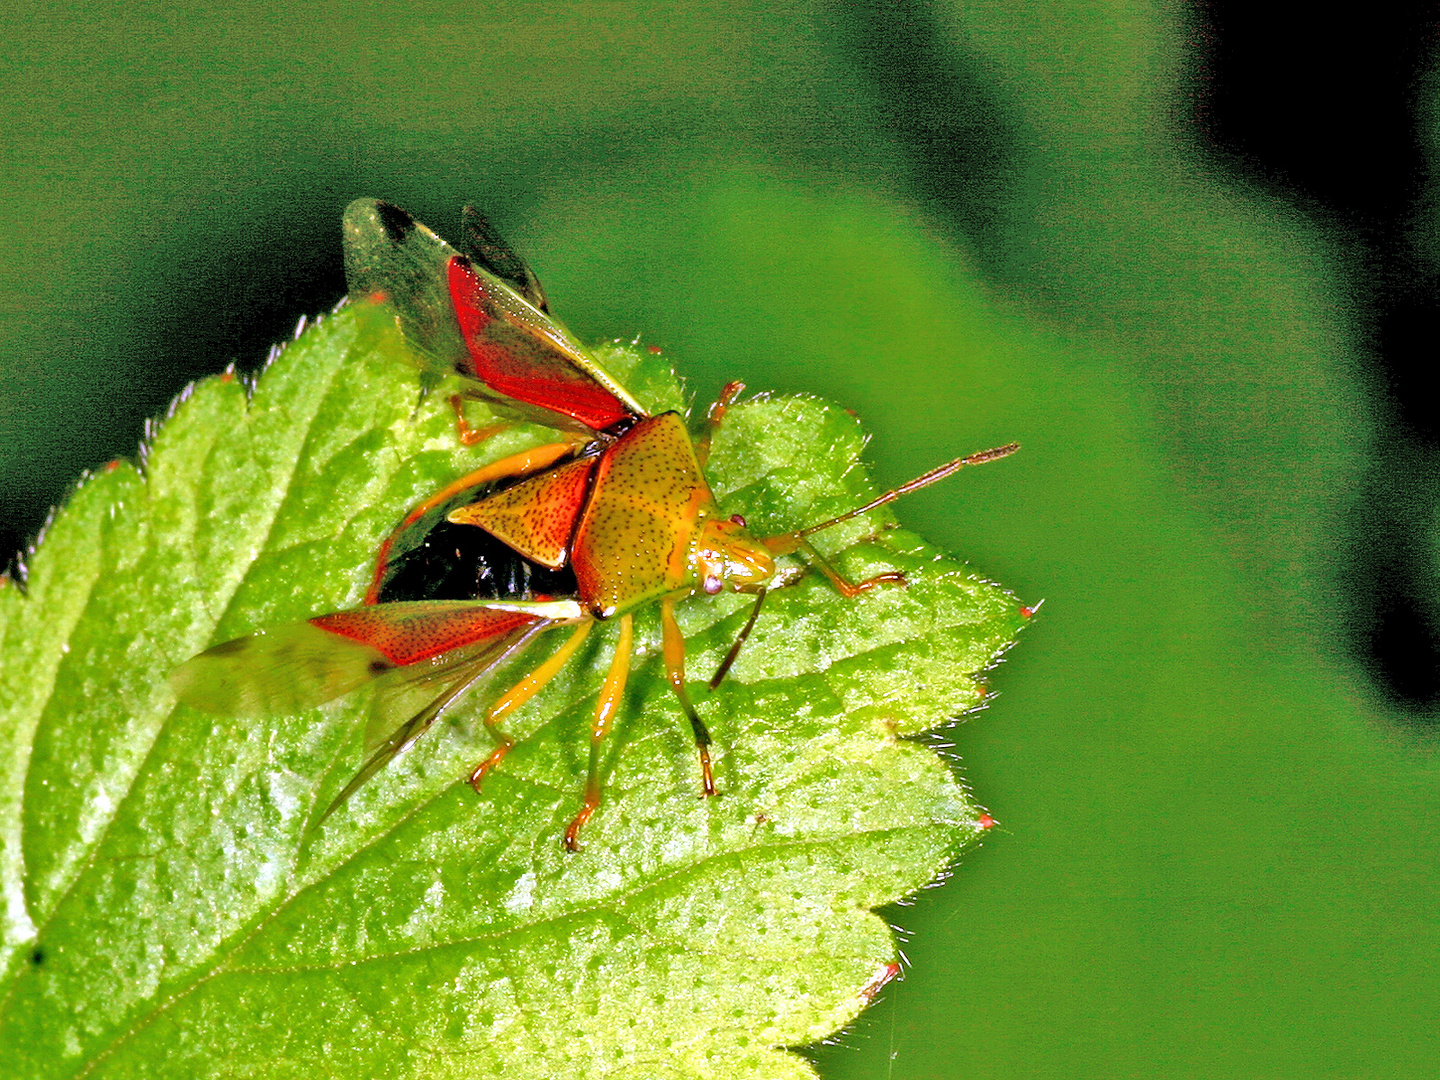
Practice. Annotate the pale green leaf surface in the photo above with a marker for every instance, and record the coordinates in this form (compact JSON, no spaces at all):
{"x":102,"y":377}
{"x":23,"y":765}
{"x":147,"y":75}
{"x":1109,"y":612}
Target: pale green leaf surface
{"x":165,"y":913}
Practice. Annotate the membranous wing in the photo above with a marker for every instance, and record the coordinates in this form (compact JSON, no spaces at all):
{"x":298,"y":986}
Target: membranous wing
{"x":481,"y":315}
{"x":420,"y":657}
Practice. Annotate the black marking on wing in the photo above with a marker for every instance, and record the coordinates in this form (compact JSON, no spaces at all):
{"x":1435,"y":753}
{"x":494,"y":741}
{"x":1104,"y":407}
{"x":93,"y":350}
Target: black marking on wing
{"x":396,"y":222}
{"x":480,"y":241}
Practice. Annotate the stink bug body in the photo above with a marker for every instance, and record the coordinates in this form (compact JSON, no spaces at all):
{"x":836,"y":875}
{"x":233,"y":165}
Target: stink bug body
{"x":613,"y":516}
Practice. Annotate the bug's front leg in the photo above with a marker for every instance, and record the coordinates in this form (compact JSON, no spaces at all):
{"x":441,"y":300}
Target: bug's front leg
{"x":843,"y":585}
{"x":714,"y":418}
{"x":787,"y":543}
{"x":611,"y":695}
{"x":674,"y":647}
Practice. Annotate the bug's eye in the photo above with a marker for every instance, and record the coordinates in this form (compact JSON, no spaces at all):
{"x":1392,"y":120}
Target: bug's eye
{"x":738,"y":519}
{"x":712,"y":584}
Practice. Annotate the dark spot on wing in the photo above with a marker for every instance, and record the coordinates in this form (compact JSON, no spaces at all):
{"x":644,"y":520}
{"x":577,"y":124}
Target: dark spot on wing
{"x":396,"y":222}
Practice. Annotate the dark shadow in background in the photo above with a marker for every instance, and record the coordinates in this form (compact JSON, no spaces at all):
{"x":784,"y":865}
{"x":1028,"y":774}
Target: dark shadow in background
{"x":1327,"y":112}
{"x":1321,"y":112}
{"x":217,"y":297}
{"x":223,"y":287}
{"x":965,"y":150}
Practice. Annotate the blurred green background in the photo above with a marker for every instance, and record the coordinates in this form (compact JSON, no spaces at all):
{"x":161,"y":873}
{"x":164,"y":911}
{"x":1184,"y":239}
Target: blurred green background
{"x":1218,"y":840}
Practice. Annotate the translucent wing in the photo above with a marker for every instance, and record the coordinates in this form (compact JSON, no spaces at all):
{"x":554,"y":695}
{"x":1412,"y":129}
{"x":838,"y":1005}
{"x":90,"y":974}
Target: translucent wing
{"x":391,"y":258}
{"x":478,"y":316}
{"x":488,"y":248}
{"x":279,"y":671}
{"x":408,"y":700}
{"x":421,"y":656}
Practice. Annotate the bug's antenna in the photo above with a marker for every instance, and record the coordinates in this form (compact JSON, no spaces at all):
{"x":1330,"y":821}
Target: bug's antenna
{"x":788,"y":543}
{"x":919,"y":482}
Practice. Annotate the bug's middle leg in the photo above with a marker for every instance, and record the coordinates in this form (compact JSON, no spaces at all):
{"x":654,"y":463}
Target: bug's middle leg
{"x":611,"y":695}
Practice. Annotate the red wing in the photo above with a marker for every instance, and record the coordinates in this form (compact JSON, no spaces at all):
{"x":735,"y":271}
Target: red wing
{"x":289,"y":669}
{"x":462,"y":317}
{"x":399,"y":635}
{"x":421,"y":657}
{"x":524,"y":355}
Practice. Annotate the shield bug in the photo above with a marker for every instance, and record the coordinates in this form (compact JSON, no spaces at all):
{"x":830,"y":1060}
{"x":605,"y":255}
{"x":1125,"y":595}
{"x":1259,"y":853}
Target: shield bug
{"x":612,"y":516}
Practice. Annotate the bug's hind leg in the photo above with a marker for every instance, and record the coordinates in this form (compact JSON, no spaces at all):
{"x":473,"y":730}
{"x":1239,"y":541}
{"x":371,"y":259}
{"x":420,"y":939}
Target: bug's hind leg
{"x":527,"y":462}
{"x":473,"y":436}
{"x":520,"y":693}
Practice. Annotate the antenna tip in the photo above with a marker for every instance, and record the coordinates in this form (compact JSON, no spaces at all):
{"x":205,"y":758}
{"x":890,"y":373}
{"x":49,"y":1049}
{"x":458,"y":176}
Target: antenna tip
{"x":992,"y":455}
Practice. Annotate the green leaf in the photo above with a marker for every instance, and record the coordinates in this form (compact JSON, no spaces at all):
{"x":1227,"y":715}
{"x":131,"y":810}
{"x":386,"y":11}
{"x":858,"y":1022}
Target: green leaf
{"x":165,"y":913}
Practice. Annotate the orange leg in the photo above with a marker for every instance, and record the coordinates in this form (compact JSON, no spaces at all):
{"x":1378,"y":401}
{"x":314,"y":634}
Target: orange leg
{"x":787,"y":543}
{"x":468,"y":435}
{"x":674,"y":647}
{"x":714,"y":418}
{"x":611,"y":695}
{"x":843,"y":585}
{"x":520,"y":693}
{"x":521,"y":464}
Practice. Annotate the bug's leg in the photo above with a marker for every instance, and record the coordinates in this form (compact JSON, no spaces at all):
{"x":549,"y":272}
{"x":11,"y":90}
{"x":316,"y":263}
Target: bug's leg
{"x":740,"y":639}
{"x":521,"y":464}
{"x":843,"y":585}
{"x":520,"y":693}
{"x":611,"y":695}
{"x":787,"y":543}
{"x":471,"y":436}
{"x":674,"y":647}
{"x":714,"y":418}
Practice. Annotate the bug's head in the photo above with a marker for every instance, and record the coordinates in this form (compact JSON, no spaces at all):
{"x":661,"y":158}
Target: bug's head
{"x":727,"y":556}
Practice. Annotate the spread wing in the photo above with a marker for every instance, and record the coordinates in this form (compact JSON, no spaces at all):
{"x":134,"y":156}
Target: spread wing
{"x":482,"y":315}
{"x":488,"y":248}
{"x":420,"y":656}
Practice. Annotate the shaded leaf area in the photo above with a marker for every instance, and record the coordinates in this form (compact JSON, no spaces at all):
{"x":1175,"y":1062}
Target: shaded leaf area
{"x":166,"y":914}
